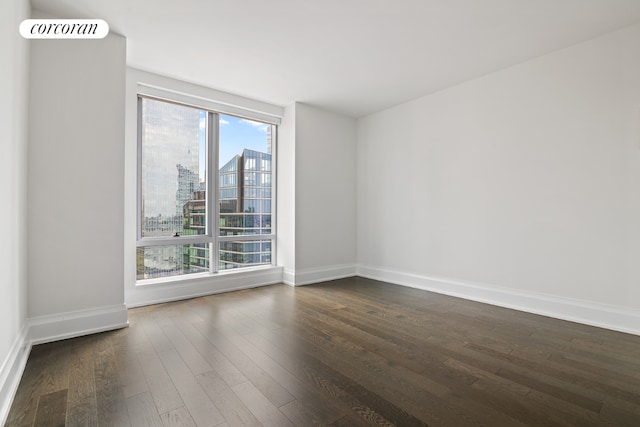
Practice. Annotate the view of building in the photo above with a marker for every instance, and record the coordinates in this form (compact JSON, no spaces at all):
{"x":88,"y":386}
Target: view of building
{"x":167,"y":260}
{"x":195,"y":257}
{"x":171,"y":146}
{"x":245,"y":209}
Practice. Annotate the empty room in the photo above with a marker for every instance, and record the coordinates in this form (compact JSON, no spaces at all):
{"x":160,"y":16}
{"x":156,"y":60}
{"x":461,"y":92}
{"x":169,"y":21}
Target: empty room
{"x":305,"y":213}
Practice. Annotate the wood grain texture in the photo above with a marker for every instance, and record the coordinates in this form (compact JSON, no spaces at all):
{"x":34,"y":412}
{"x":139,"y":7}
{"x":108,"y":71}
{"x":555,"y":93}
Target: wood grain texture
{"x":177,"y":418}
{"x":52,"y":409}
{"x":350,"y":352}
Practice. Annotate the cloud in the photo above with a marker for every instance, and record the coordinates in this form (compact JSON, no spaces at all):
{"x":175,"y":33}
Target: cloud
{"x":257,"y":125}
{"x":203,"y":122}
{"x":223,"y":122}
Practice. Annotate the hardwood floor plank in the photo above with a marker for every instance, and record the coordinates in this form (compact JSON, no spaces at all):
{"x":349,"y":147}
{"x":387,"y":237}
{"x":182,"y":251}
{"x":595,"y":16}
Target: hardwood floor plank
{"x":194,"y":360}
{"x":613,"y":356}
{"x":395,"y":377}
{"x":348,"y":382}
{"x":350,"y":352}
{"x":269,"y":387}
{"x":227,"y":370}
{"x":142,"y":411}
{"x":572,"y":373}
{"x":153,"y":330}
{"x":52,"y":409}
{"x":177,"y":418}
{"x":162,"y":389}
{"x":231,"y":407}
{"x":25,"y":403}
{"x":544,"y":387}
{"x":260,"y":406}
{"x":300,"y":416}
{"x":569,"y":413}
{"x":351,"y":420}
{"x":131,"y":374}
{"x":50,"y":363}
{"x":325,"y":410}
{"x":516,"y":407}
{"x":616,"y":413}
{"x":82,"y":404}
{"x":126,"y":343}
{"x":629,"y":376}
{"x":327,"y":387}
{"x":339,"y":335}
{"x":111,"y":405}
{"x":197,"y":402}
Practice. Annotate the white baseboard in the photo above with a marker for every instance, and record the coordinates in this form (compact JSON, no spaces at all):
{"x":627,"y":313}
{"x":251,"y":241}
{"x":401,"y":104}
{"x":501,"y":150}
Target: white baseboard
{"x":316,"y":275}
{"x":156,"y":292}
{"x":289,"y":277}
{"x":616,"y":318}
{"x":11,"y":372}
{"x":77,"y":323}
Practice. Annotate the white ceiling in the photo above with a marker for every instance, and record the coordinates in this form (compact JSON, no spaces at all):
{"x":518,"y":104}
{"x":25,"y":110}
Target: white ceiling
{"x":350,"y":56}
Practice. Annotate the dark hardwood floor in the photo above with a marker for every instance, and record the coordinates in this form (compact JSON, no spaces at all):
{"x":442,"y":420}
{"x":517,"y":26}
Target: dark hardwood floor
{"x":350,"y":352}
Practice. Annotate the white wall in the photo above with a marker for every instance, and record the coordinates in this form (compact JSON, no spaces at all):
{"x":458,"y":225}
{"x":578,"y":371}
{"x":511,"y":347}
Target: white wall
{"x":325,"y":194}
{"x":521,"y":188}
{"x":76,"y":186}
{"x":14,"y":81}
{"x":286,"y":194}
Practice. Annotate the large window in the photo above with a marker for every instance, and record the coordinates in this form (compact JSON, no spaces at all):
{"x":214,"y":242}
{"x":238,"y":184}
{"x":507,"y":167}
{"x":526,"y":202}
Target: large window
{"x":205,"y":193}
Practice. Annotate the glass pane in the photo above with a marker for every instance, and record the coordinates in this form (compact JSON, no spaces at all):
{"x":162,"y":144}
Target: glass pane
{"x":244,"y":254}
{"x":173,"y":169}
{"x":163,"y":261}
{"x":245,"y":180}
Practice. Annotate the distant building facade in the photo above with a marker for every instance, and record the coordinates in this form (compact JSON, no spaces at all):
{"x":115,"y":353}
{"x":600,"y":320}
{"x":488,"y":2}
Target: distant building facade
{"x":172,"y":132}
{"x":245,"y":209}
{"x":195,"y":257}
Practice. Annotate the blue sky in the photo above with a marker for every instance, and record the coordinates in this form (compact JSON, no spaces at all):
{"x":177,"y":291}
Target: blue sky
{"x":236,"y":134}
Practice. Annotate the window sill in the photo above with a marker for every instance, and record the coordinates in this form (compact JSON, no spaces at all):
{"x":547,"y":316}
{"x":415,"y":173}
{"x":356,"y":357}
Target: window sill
{"x":201,"y":277}
{"x":156,"y":291}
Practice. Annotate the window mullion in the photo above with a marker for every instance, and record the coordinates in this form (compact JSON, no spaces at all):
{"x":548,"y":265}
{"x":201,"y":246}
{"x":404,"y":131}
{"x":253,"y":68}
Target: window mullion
{"x":139,"y":215}
{"x":170,"y":241}
{"x":246,"y":237}
{"x":274,"y":182}
{"x":213,"y":189}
